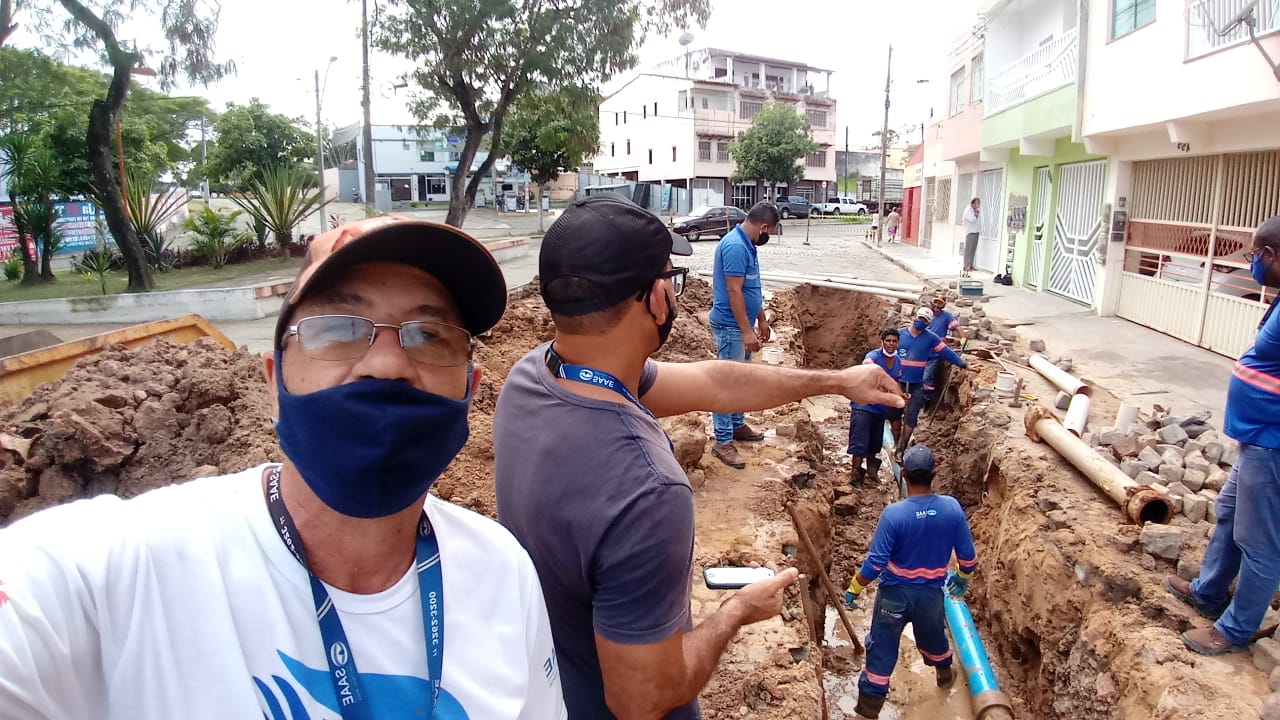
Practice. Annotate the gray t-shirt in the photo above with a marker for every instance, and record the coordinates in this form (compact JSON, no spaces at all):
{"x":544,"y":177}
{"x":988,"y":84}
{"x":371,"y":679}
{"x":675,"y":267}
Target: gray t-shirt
{"x":594,"y":493}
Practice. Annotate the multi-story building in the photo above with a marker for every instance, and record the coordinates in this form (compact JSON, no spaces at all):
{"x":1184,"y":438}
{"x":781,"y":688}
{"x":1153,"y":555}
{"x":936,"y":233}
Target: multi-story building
{"x":417,"y":163}
{"x":1188,"y":110}
{"x":673,"y":124}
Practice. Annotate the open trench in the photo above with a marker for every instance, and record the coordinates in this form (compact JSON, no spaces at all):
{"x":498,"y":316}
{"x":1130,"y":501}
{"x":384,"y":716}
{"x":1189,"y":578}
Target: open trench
{"x":1070,"y":609}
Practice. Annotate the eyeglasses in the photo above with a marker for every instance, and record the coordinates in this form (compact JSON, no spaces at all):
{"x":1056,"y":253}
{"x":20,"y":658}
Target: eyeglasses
{"x":1249,"y":256}
{"x":348,"y":337}
{"x":677,"y":275}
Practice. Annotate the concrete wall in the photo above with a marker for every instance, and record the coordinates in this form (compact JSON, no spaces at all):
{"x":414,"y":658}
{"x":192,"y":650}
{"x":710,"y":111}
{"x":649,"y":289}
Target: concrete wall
{"x":216,"y":304}
{"x":1019,"y":27}
{"x":627,"y":117}
{"x":1050,"y":114}
{"x":1144,"y":77}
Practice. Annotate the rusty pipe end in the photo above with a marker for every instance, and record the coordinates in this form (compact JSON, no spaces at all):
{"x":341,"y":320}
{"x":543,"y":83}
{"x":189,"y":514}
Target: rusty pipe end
{"x":1146,"y":505}
{"x":992,"y":705}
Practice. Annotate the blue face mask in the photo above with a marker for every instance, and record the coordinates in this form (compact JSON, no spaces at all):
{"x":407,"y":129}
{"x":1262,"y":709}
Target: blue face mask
{"x":370,"y":448}
{"x":1258,"y":271}
{"x":919,"y":324}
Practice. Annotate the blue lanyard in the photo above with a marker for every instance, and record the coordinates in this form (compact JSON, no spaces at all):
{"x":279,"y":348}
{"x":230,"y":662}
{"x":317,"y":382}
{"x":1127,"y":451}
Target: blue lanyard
{"x":352,"y":702}
{"x":599,"y":378}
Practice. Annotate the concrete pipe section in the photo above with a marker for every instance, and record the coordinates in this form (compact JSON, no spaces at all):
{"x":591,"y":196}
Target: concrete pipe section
{"x":1140,"y":503}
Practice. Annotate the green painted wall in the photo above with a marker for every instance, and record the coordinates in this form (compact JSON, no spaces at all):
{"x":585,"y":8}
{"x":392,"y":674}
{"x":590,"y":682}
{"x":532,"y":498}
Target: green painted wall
{"x":1049,"y":112}
{"x":1020,"y":180}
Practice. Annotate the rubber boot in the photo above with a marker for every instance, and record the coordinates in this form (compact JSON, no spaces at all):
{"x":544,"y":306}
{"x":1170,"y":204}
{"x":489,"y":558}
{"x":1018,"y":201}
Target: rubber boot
{"x":946,"y":676}
{"x":873,"y":471}
{"x":858,"y":475}
{"x":868,"y":707}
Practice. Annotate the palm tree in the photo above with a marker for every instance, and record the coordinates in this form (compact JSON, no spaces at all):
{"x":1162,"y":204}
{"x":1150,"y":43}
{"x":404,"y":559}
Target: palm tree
{"x":148,"y":214}
{"x":281,"y":199}
{"x":32,"y":175}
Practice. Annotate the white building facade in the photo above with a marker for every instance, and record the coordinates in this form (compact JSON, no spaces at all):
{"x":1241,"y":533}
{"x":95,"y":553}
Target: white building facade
{"x":417,"y":163}
{"x":673,"y":124}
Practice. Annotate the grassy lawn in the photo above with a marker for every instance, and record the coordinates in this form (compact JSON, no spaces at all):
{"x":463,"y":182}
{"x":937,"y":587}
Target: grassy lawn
{"x":71,"y":284}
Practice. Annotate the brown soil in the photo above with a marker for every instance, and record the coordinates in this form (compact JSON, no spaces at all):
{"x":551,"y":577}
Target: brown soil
{"x":126,"y":421}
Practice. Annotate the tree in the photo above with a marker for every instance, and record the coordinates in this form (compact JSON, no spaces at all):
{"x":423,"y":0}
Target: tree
{"x":250,"y":138}
{"x":7,"y":25}
{"x":475,"y":58}
{"x":189,"y":33}
{"x":283,"y":197}
{"x":32,"y":176}
{"x":548,"y":134}
{"x":772,"y":148}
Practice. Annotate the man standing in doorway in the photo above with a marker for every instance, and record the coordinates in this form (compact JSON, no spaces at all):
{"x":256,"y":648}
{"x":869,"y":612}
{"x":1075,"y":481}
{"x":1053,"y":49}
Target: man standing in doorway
{"x":1245,"y":546}
{"x":972,"y":229}
{"x":737,"y":325}
{"x":910,"y":552}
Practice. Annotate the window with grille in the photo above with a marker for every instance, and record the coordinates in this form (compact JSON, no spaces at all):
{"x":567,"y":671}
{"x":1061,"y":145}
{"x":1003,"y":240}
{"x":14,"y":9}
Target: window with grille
{"x":722,"y":151}
{"x":977,"y":78}
{"x":816,"y":159}
{"x":817,"y":118}
{"x":747,"y":109}
{"x":942,"y":202}
{"x":956,"y":102}
{"x":704,"y":150}
{"x":1129,"y":15}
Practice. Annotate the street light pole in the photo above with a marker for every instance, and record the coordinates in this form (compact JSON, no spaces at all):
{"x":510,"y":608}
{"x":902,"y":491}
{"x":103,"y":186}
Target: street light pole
{"x":319,"y":155}
{"x":367,"y":133}
{"x":884,"y":147}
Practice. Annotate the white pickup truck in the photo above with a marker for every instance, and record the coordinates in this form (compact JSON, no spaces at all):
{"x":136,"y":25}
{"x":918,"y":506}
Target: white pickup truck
{"x":840,"y":206}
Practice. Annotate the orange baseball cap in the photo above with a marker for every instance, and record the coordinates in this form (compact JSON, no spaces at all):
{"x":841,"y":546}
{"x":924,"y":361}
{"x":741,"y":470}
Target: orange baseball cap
{"x":460,"y":262}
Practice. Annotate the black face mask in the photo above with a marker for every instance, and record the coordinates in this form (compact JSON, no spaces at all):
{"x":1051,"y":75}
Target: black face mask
{"x":762,"y":239}
{"x":664,"y":328}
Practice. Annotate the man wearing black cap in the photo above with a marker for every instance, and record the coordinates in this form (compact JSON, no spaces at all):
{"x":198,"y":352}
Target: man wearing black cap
{"x":910,"y":552}
{"x":587,"y":480}
{"x":331,"y":585}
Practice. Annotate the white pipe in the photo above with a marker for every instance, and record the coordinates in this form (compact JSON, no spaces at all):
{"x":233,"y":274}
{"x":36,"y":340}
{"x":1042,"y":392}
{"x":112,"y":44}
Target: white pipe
{"x":1140,"y":503}
{"x":1065,"y":381}
{"x":905,"y":287}
{"x":914,"y":297}
{"x":1126,"y":416}
{"x":1077,"y":414}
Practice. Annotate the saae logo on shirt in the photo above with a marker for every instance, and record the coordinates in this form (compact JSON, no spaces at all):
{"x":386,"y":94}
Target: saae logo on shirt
{"x":389,"y":696}
{"x":922,"y":514}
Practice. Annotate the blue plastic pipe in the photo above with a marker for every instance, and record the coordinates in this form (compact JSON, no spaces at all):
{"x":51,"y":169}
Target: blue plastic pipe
{"x":988,"y":700}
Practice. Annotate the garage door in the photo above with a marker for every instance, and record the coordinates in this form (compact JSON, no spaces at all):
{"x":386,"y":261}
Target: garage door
{"x":1077,"y":230}
{"x":990,"y":190}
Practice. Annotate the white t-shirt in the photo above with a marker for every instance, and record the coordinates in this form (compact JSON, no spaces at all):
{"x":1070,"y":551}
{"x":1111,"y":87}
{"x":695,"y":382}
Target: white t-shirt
{"x":184,"y":603}
{"x":971,"y":222}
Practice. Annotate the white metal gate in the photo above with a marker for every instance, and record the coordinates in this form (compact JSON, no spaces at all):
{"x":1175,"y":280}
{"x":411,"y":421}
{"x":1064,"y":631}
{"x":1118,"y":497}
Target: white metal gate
{"x":990,"y":191}
{"x":1077,"y":229}
{"x":1191,"y":221}
{"x":1040,"y":226}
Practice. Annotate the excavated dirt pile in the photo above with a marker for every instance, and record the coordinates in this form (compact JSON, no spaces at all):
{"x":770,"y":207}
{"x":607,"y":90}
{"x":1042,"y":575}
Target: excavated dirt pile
{"x":126,"y":421}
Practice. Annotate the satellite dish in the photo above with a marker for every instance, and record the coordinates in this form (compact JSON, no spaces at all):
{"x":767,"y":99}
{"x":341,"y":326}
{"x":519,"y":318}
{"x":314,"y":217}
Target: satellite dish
{"x":686,"y":38}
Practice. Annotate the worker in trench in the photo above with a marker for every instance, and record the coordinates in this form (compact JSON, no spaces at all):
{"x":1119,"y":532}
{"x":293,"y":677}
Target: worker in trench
{"x":943,"y":324}
{"x":588,"y":481}
{"x":330,"y":585}
{"x":916,"y":346}
{"x":1245,"y":546}
{"x":866,"y":421}
{"x":909,"y":553}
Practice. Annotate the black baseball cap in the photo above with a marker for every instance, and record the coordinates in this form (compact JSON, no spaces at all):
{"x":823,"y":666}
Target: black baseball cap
{"x":919,"y":457}
{"x":458,"y":261}
{"x":617,"y":247}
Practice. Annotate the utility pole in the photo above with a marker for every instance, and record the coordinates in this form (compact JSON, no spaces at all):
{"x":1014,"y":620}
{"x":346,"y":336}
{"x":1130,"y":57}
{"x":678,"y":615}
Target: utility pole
{"x":884,"y":147}
{"x":320,"y":155}
{"x":367,"y":130}
{"x":204,"y":163}
{"x":844,"y":179}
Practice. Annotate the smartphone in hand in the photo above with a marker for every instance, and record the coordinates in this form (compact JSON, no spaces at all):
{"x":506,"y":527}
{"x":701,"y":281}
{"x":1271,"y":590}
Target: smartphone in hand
{"x":732,"y":578}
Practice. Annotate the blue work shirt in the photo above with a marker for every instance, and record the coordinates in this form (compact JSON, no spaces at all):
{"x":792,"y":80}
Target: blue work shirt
{"x":943,"y":323}
{"x":1253,"y":395}
{"x":890,"y":365}
{"x":736,"y":257}
{"x":915,"y":351}
{"x":914,"y":540}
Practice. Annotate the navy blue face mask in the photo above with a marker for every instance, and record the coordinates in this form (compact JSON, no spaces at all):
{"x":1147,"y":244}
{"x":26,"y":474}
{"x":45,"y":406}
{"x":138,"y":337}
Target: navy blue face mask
{"x":919,"y":324}
{"x":370,"y":448}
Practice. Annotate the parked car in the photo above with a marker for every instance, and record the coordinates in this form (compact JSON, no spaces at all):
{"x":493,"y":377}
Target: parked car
{"x":841,"y":206}
{"x":708,"y":220}
{"x":793,"y":206}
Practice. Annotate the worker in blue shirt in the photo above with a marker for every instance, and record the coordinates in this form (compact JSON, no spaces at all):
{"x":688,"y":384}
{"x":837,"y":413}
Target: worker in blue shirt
{"x":910,"y":553}
{"x":1245,"y":546}
{"x":916,"y":345}
{"x":866,"y":422}
{"x":942,"y":325}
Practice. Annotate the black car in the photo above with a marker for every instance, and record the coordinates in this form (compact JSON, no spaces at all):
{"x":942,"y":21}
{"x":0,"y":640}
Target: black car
{"x":708,"y":220}
{"x":793,"y":206}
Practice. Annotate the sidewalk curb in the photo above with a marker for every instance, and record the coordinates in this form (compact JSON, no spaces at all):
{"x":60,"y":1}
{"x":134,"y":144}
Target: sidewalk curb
{"x":901,"y":263}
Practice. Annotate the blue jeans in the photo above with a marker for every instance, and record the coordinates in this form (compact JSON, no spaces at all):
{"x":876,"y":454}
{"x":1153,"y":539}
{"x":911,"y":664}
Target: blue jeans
{"x":919,"y":398}
{"x":1245,"y":545}
{"x":728,"y":347}
{"x":897,"y":605}
{"x":930,"y":370}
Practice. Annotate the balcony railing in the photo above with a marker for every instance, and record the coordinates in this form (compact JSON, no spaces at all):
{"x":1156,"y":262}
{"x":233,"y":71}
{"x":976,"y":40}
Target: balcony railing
{"x":1207,"y":18}
{"x":1043,"y":70}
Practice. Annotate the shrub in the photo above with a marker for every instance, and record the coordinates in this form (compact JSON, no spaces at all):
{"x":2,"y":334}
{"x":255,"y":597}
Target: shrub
{"x":217,"y":235}
{"x":13,"y":266}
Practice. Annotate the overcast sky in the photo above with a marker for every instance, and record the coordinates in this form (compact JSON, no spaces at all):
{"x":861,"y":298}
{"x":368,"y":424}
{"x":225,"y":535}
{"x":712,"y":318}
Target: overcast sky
{"x":278,"y":44}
